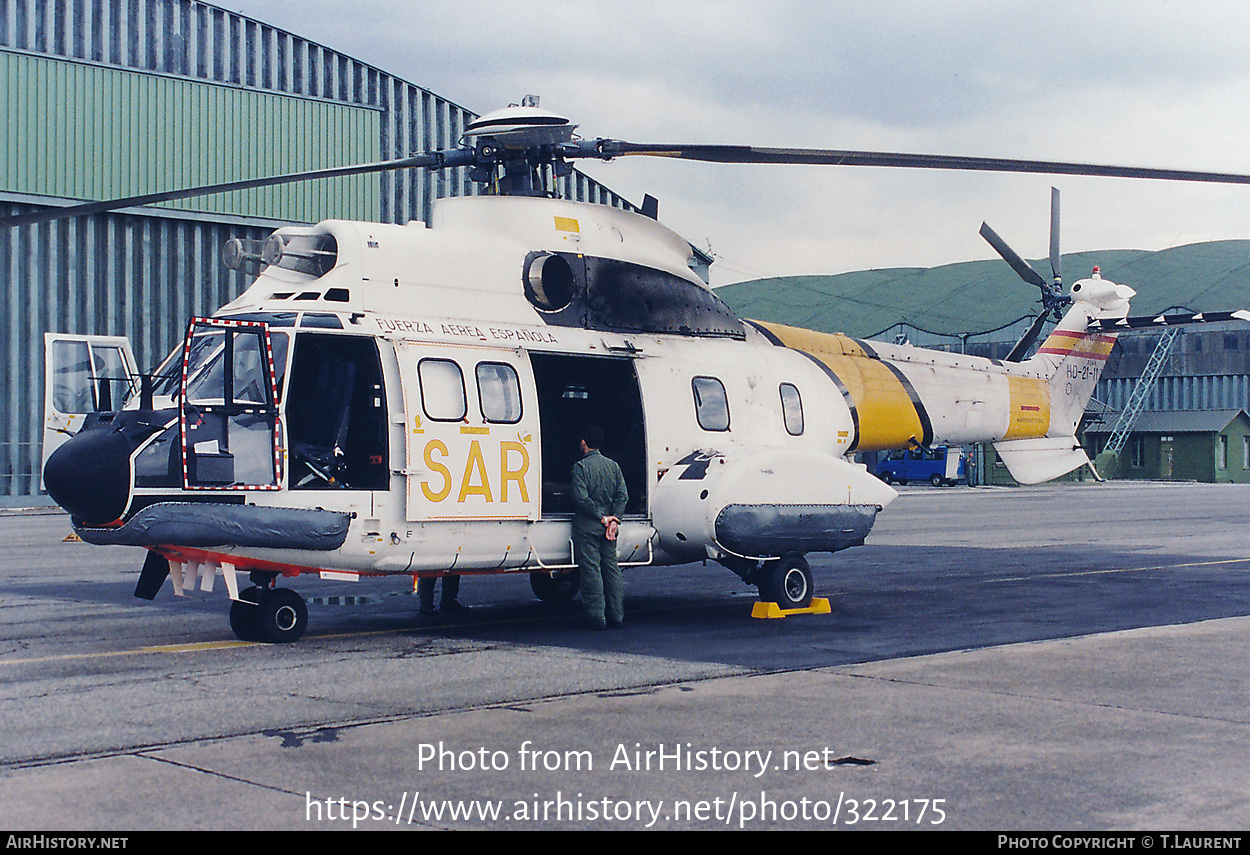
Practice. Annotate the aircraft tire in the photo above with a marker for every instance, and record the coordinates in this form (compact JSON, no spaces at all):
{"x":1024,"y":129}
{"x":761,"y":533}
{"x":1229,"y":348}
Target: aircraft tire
{"x":244,"y":613}
{"x":281,"y":617}
{"x":788,"y":582}
{"x":557,"y":590}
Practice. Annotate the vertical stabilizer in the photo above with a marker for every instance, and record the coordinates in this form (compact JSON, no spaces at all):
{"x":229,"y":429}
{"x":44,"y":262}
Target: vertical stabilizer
{"x":1071,"y":360}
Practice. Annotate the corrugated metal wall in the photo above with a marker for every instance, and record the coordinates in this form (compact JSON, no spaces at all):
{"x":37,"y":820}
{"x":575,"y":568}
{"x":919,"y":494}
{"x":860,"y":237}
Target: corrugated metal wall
{"x":144,"y":275}
{"x":78,"y":131}
{"x":138,"y":276}
{"x":1203,"y":392}
{"x":203,"y":42}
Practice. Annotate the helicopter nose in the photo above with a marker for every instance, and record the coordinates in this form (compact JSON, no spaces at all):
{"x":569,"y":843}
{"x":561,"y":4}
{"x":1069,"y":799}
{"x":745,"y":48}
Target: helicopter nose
{"x":89,"y":476}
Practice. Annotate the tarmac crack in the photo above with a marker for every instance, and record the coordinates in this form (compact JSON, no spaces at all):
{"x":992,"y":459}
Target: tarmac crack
{"x":215,"y":774}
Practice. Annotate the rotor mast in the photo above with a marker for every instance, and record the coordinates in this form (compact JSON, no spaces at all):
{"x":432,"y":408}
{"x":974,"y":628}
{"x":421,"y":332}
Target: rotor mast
{"x":526,"y":142}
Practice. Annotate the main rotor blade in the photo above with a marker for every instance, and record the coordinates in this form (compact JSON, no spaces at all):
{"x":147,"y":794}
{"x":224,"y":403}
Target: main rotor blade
{"x":833,"y":157}
{"x":1018,"y":264}
{"x":436,"y":159}
{"x":1153,"y":321}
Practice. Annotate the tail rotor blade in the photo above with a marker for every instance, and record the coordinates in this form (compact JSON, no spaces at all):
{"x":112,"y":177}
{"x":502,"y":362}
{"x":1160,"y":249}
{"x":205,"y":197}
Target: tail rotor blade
{"x":1056,"y":263}
{"x":1026,"y":340}
{"x":1018,"y":264}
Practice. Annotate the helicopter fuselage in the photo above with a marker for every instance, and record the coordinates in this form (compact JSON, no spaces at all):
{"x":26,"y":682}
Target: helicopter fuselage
{"x":393,"y":399}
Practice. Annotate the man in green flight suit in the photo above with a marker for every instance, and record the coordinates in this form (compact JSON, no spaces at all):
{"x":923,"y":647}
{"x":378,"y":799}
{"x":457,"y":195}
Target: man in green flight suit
{"x":599,"y":497}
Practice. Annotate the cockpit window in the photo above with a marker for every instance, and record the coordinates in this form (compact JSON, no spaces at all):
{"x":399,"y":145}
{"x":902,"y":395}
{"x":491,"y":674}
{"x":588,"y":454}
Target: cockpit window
{"x":90,"y":377}
{"x":206,"y":366}
{"x":215,"y":349}
{"x":228,"y":416}
{"x":168,"y":375}
{"x":250,"y":383}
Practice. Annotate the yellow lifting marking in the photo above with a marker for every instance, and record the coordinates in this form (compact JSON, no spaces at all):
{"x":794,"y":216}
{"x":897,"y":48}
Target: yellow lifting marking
{"x":767,"y":611}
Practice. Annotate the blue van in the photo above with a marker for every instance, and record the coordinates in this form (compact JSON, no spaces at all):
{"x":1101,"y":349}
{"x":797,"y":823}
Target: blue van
{"x":939,"y":466}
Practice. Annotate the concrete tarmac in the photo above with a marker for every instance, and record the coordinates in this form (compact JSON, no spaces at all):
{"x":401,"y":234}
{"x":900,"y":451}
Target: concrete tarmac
{"x":1059,"y":657}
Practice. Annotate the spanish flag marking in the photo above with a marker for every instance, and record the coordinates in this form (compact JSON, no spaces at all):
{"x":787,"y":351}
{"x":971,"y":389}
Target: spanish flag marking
{"x":1083,"y":345}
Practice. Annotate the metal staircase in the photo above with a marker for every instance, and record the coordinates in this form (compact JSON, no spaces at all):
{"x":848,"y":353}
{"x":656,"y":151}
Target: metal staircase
{"x":1137,"y":400}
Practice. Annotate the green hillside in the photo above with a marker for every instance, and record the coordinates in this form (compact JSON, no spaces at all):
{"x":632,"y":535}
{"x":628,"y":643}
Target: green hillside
{"x":978,"y":296}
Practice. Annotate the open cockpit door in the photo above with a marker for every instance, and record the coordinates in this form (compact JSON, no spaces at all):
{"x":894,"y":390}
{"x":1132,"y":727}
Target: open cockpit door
{"x":83,"y":374}
{"x":228,"y":413}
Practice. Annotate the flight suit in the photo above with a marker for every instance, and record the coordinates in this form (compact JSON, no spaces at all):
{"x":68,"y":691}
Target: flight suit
{"x":598,"y":490}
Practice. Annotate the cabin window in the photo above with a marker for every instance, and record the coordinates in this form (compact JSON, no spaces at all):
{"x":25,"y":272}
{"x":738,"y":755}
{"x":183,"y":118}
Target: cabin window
{"x":1222,"y":452}
{"x":499,"y":393}
{"x":442,"y":390}
{"x":711,"y":405}
{"x":792,"y":409}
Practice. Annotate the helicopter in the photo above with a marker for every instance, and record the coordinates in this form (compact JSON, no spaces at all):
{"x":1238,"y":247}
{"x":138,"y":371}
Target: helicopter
{"x":406,"y":399}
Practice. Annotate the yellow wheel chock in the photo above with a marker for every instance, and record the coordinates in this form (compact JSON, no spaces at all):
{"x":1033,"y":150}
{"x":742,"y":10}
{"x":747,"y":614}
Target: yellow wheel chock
{"x":819,"y":606}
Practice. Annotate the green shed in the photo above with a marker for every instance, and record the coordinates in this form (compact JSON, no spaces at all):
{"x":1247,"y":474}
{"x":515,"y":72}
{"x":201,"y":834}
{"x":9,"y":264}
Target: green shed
{"x":1184,"y":445}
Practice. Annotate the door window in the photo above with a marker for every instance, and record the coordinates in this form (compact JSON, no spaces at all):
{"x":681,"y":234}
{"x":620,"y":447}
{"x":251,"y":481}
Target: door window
{"x":499,"y":393}
{"x":442,"y":390}
{"x":89,"y":377}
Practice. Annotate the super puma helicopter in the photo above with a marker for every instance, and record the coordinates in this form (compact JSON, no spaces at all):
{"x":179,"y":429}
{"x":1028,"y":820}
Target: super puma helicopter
{"x":390,"y":399}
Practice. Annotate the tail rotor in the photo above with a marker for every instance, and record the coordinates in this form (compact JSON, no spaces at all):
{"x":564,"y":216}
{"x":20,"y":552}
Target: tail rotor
{"x":1053,"y":299}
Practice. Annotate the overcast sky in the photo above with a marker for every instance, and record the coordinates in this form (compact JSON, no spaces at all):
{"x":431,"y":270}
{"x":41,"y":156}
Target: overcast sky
{"x":1141,"y":83}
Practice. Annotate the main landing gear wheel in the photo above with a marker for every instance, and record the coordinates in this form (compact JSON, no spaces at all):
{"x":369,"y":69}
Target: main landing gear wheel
{"x":787,"y":582}
{"x":557,"y":589}
{"x":274,"y":615}
{"x":243,"y":614}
